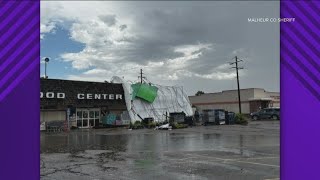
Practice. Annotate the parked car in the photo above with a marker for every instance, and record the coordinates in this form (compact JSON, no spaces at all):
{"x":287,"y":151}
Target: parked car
{"x":267,"y":113}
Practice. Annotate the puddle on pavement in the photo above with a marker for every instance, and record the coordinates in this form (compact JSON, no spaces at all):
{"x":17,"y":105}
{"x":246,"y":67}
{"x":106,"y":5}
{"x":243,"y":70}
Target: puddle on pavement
{"x":146,"y":153}
{"x":157,"y":142}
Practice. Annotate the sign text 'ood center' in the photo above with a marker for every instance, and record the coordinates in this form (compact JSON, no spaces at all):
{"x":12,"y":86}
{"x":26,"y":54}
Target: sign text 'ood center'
{"x":59,"y":95}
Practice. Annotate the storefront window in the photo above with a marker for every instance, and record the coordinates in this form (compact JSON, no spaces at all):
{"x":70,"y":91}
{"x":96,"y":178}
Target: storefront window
{"x":85,"y":114}
{"x":79,"y":114}
{"x":97,"y":114}
{"x":79,"y":123}
{"x":85,"y":123}
{"x":97,"y":122}
{"x":91,"y":122}
{"x":91,"y":114}
{"x":88,"y":118}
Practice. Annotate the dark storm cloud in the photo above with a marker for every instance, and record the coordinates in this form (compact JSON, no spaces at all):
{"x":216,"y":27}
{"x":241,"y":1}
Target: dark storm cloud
{"x":153,"y":51}
{"x":123,"y":27}
{"x":178,"y":25}
{"x":158,"y":28}
{"x":224,"y":25}
{"x":110,"y":20}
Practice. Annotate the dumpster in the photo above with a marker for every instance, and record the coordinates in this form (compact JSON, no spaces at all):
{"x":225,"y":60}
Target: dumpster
{"x":231,"y":117}
{"x":177,"y":117}
{"x":214,"y":116}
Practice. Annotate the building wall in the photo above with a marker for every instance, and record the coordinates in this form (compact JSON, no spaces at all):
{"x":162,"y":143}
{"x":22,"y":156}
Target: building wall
{"x":50,"y":116}
{"x":228,"y":100}
{"x":276,"y":98}
{"x":234,"y":107}
{"x":224,"y":96}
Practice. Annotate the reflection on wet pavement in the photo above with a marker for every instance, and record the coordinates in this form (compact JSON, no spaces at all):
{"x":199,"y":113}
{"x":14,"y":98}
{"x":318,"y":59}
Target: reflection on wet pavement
{"x":212,"y":152}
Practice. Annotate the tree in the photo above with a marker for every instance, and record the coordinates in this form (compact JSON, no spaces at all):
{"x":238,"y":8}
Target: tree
{"x":199,"y":93}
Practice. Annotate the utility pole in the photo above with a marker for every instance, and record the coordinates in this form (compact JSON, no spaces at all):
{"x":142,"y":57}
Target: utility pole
{"x":237,"y":68}
{"x":141,"y":76}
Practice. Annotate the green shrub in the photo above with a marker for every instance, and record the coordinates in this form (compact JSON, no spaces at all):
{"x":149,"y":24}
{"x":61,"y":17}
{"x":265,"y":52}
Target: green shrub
{"x":136,"y":125}
{"x":152,"y":125}
{"x":179,"y":126}
{"x":241,"y":119}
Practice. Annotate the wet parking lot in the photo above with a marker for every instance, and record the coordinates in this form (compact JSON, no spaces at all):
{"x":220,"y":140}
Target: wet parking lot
{"x":202,"y":152}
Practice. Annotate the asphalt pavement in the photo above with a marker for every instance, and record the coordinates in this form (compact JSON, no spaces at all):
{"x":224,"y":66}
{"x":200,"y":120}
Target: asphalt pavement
{"x":223,"y":152}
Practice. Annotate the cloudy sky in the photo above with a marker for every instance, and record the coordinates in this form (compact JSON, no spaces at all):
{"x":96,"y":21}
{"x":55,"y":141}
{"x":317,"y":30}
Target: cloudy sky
{"x":186,"y":44}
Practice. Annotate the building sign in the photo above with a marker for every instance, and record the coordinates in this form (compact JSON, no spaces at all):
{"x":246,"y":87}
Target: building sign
{"x":52,"y":95}
{"x":60,"y":95}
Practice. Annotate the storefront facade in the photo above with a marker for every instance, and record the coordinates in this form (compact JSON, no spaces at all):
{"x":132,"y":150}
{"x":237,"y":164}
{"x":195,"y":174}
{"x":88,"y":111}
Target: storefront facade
{"x":80,"y":104}
{"x":252,"y":100}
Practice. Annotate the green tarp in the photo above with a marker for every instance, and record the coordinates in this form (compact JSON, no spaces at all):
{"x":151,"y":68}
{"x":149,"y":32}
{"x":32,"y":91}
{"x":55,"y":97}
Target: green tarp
{"x":144,"y":91}
{"x":135,"y":88}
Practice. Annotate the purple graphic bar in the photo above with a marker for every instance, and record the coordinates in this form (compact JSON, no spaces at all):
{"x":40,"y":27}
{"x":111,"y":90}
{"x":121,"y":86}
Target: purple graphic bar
{"x":19,"y":90}
{"x":300,"y":90}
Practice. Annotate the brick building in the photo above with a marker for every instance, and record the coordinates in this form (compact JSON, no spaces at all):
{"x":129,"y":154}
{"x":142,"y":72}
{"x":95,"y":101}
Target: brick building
{"x":251,"y":100}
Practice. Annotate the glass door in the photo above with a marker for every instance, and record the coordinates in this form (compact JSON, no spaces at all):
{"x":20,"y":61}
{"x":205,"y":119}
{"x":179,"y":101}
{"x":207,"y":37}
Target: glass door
{"x":91,"y":118}
{"x":88,"y":117}
{"x":79,"y":118}
{"x":85,"y":119}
